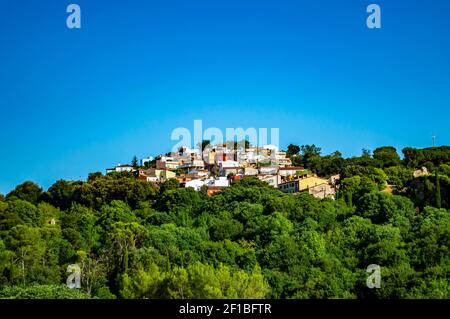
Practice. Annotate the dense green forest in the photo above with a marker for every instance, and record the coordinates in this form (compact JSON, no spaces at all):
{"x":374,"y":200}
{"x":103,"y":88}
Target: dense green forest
{"x":133,"y":239}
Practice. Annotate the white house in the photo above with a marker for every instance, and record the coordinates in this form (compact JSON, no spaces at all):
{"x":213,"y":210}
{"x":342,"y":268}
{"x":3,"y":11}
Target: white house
{"x":195,"y":184}
{"x":272,"y":180}
{"x":251,"y":171}
{"x":220,"y":182}
{"x":121,"y":168}
{"x":268,"y":170}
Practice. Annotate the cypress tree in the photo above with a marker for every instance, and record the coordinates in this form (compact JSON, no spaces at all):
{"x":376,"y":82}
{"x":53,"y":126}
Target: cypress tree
{"x":134,"y":162}
{"x":438,"y":192}
{"x":349,"y":199}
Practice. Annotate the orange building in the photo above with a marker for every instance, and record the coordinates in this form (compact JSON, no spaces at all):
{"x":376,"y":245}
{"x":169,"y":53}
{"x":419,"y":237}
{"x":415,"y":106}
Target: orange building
{"x":214,"y":189}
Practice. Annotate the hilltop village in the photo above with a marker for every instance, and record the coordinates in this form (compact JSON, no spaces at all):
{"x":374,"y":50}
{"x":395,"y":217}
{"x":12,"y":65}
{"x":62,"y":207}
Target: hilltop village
{"x":149,"y":230}
{"x":217,"y":167}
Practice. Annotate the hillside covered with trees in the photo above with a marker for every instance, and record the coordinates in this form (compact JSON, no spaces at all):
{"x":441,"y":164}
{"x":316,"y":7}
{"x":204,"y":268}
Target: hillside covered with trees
{"x":133,"y":239}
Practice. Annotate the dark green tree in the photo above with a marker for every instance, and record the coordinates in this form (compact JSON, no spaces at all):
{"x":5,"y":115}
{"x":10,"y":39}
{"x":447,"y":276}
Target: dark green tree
{"x":204,"y":144}
{"x":93,"y":176}
{"x":134,"y":162}
{"x":27,"y":191}
{"x":387,"y":156}
{"x":63,"y":193}
{"x":293,"y":150}
{"x":42,"y":292}
{"x":438,"y":191}
{"x":170,"y":184}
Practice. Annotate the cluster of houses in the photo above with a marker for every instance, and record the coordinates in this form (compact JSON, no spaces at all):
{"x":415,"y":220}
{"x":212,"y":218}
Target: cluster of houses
{"x":217,"y":167}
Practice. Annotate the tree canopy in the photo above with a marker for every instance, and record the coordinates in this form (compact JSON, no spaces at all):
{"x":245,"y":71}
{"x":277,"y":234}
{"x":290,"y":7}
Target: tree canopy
{"x":133,"y":239}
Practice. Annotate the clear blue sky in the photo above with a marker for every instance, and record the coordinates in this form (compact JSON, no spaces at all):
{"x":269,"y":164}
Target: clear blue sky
{"x":77,"y":101}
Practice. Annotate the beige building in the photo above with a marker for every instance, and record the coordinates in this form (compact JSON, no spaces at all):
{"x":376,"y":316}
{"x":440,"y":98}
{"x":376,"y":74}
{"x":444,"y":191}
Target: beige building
{"x":281,"y":159}
{"x":167,"y":162}
{"x":251,"y":171}
{"x":311,"y":181}
{"x":316,"y":186}
{"x":323,"y":191}
{"x":292,"y":171}
{"x":159,"y":174}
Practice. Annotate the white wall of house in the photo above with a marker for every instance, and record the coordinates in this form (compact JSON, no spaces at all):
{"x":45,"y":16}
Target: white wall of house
{"x":272,"y":180}
{"x":124,"y":168}
{"x":250,"y":171}
{"x":268,"y":170}
{"x":220,"y":182}
{"x":228,"y":164}
{"x":195,"y":184}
